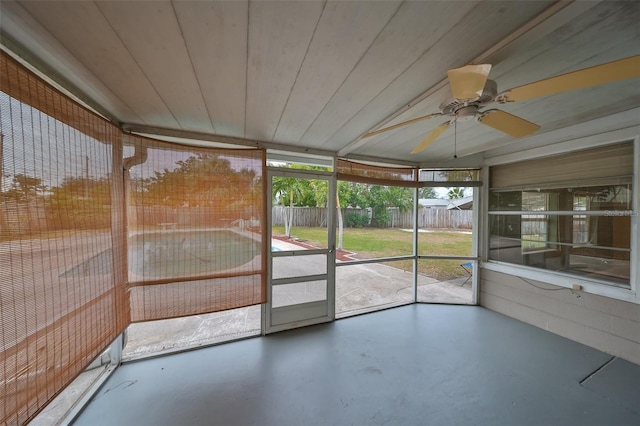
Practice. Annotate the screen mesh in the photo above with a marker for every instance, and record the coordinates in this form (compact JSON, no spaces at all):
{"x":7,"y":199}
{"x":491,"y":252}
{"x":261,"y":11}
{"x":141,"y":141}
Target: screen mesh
{"x":63,"y":300}
{"x":196,"y":218}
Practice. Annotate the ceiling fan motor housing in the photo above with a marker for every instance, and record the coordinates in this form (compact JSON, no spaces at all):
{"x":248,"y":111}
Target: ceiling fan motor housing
{"x":458,"y":107}
{"x":466,"y":113}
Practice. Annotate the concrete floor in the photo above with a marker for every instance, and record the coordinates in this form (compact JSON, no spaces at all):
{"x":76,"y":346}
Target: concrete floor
{"x":413,"y":365}
{"x":359,"y":289}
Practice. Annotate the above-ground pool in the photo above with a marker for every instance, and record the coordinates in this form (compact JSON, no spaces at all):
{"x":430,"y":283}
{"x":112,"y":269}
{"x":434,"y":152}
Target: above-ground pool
{"x":169,"y":254}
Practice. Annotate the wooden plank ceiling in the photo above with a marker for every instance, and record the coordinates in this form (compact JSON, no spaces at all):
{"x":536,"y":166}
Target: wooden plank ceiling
{"x":316,"y":75}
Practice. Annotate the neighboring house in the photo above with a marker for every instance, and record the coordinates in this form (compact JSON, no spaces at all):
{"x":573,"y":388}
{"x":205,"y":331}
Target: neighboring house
{"x":465,"y":203}
{"x":433,"y":203}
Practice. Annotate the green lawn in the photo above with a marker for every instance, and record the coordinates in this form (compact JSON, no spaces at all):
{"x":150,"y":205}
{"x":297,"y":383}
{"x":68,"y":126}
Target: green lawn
{"x":368,"y":243}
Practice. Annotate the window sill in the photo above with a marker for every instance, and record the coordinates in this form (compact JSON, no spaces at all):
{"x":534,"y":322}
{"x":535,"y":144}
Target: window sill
{"x":601,"y":288}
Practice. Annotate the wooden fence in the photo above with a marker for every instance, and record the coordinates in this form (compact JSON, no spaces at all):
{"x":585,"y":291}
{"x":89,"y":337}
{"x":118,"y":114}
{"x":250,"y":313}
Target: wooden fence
{"x":18,"y":218}
{"x":427,"y":218}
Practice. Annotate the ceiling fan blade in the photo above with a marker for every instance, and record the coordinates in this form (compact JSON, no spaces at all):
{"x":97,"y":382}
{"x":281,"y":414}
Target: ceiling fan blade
{"x":508,"y":123}
{"x":592,"y":76}
{"x":468,"y":82}
{"x":404,"y":123}
{"x":431,"y":137}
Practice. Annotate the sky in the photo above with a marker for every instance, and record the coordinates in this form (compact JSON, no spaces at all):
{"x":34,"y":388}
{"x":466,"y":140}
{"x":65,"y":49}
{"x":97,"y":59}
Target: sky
{"x":38,"y":145}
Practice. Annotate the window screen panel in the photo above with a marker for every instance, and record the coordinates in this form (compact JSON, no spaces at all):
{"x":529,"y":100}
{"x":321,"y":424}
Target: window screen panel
{"x":62,"y":300}
{"x":195,"y":226}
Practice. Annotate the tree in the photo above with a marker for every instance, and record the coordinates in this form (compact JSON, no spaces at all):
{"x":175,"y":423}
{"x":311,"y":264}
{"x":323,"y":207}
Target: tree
{"x":285,"y":191}
{"x":341,"y":197}
{"x":200,"y":180}
{"x":25,"y":188}
{"x":383,"y":197}
{"x":379,"y":198}
{"x":340,"y":222}
{"x":80,"y":203}
{"x":427,"y":192}
{"x":455,"y":193}
{"x":290,"y":192}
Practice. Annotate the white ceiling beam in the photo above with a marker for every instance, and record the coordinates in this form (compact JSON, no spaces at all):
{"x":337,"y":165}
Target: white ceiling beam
{"x":218,"y":139}
{"x":51,"y":76}
{"x":190,"y":137}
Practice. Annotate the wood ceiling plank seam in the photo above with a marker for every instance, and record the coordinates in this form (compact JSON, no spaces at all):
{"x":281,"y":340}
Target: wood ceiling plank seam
{"x":432,"y":89}
{"x":216,"y":36}
{"x":124,"y":45}
{"x":275,"y":129}
{"x":382,"y":29}
{"x":614,"y":21}
{"x":549,"y":44}
{"x":195,"y":74}
{"x":505,"y":43}
{"x":375,"y":44}
{"x":119,"y":18}
{"x":50,"y":73}
{"x":554,"y":17}
{"x":617,"y":97}
{"x":138,"y":65}
{"x":611,"y":50}
{"x":357,"y":143}
{"x":397,"y":77}
{"x":585,"y":105}
{"x":464,"y":13}
{"x":279,"y":34}
{"x":339,"y":61}
{"x":53,"y":77}
{"x":422,"y":105}
{"x":87,"y":13}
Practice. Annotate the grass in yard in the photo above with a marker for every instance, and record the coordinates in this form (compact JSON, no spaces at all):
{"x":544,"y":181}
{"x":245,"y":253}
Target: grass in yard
{"x":369,"y":243}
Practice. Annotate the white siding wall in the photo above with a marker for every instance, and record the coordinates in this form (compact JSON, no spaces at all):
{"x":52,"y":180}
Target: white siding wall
{"x":610,"y":325}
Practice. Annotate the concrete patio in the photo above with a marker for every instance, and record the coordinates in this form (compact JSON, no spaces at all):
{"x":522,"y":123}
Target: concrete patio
{"x":359,"y":288}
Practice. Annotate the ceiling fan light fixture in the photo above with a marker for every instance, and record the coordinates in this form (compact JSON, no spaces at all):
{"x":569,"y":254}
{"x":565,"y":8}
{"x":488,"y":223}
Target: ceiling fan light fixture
{"x":466,"y":113}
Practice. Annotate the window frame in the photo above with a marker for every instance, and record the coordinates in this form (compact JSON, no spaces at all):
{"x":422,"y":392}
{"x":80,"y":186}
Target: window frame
{"x":562,"y":279}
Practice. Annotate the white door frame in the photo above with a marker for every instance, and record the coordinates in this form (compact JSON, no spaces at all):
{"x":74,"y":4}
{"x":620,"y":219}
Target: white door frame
{"x":303,"y":314}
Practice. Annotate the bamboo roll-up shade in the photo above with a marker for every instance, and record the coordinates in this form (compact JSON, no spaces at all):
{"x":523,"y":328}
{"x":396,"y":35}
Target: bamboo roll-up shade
{"x":196,"y":224}
{"x":61,"y":301}
{"x":376,"y":175}
{"x":49,"y":101}
{"x":614,"y":162}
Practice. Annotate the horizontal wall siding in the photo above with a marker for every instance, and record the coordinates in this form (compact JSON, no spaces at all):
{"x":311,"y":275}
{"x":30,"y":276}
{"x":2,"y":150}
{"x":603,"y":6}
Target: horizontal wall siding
{"x":610,"y":325}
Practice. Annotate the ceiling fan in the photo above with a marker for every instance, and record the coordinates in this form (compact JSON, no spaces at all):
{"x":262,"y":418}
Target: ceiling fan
{"x":472,"y":91}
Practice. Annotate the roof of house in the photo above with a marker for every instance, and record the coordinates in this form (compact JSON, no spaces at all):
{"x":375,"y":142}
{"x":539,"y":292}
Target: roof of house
{"x":465,"y":203}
